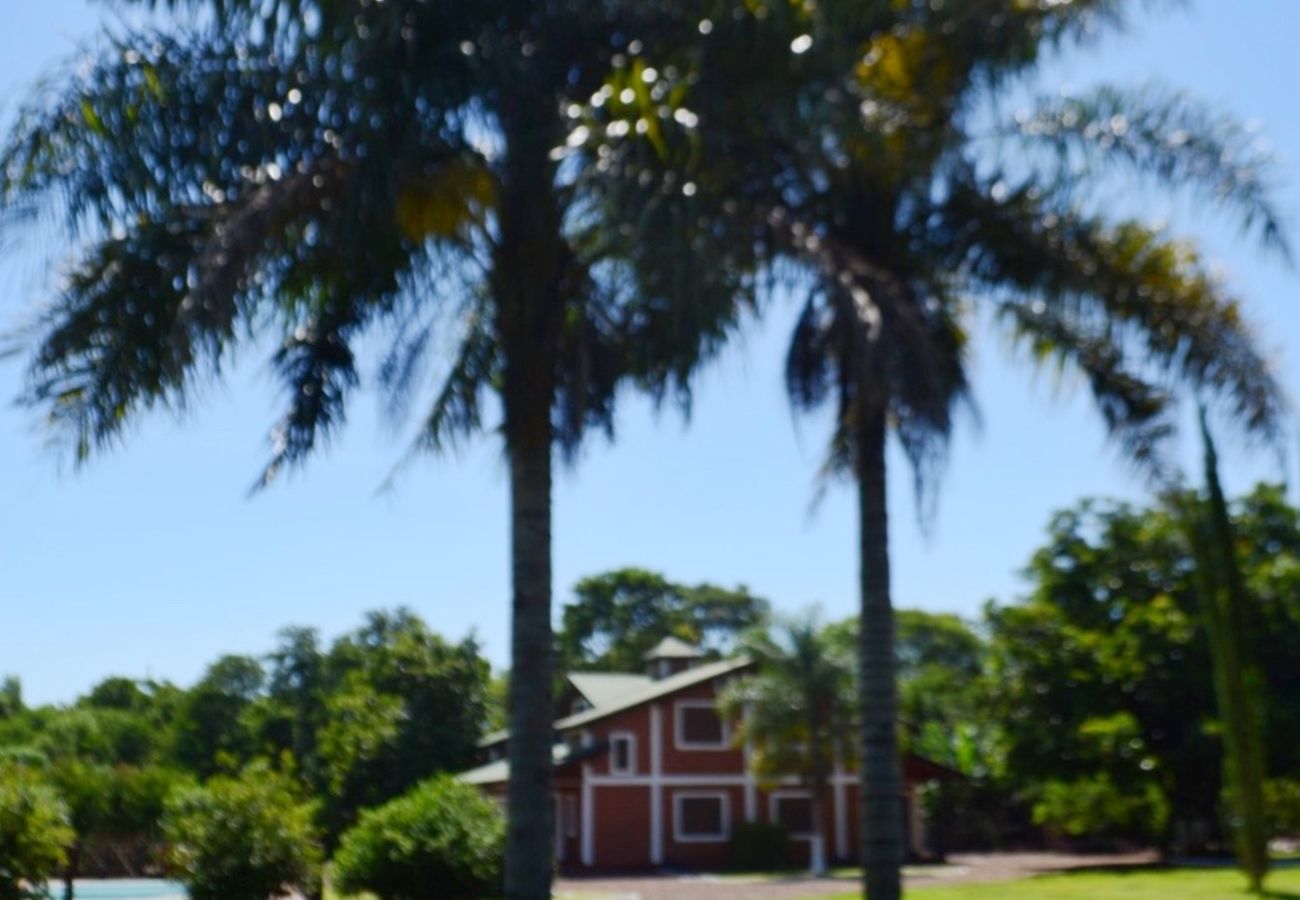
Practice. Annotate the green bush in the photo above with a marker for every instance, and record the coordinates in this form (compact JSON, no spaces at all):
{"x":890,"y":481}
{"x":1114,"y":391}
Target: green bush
{"x":759,"y":846}
{"x":1095,"y":808}
{"x":1282,"y":806}
{"x":34,"y":834}
{"x":243,"y":838}
{"x":441,"y":841}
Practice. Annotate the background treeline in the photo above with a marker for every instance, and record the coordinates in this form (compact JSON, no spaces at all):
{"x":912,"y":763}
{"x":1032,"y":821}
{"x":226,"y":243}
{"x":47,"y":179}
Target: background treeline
{"x":1084,"y":713}
{"x":353,"y":724}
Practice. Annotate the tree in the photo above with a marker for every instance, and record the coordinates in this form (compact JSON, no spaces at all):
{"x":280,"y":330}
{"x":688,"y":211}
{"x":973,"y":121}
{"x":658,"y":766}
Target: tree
{"x":211,"y":730}
{"x":1105,"y":667}
{"x":248,"y":837}
{"x":441,"y":841}
{"x":796,"y":711}
{"x":34,"y":834}
{"x":1230,"y":623}
{"x":310,"y":173}
{"x":863,"y":163}
{"x":616,"y":617}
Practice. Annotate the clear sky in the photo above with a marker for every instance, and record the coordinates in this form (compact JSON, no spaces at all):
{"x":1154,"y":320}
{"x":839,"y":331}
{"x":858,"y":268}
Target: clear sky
{"x":153,"y":560}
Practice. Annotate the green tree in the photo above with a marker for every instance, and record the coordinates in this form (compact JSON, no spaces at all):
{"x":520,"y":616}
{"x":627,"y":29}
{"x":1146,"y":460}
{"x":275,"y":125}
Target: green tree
{"x":86,"y":790}
{"x":246,"y":837}
{"x":34,"y":834}
{"x":864,"y":162}
{"x":796,"y":710}
{"x":1231,"y":621}
{"x":616,"y":617}
{"x":441,"y":841}
{"x":211,"y":729}
{"x":312,"y":173}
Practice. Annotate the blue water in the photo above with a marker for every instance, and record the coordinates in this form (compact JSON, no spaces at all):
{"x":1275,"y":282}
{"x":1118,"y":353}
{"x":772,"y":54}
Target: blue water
{"x":125,"y":889}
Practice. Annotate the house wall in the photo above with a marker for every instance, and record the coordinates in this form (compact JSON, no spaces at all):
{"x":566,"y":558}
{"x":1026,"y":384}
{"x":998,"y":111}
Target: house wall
{"x":629,"y":821}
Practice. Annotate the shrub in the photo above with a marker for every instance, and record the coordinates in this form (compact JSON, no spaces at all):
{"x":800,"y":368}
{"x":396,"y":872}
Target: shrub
{"x":1095,"y":808}
{"x":244,"y":838}
{"x":1282,"y":806}
{"x":441,"y":840}
{"x":34,"y":834}
{"x":757,"y":846}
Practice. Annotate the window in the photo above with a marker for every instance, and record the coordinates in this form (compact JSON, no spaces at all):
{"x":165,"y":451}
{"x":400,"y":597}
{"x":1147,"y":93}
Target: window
{"x":622,"y":753}
{"x":794,"y":811}
{"x":580,"y":705}
{"x":699,"y":727}
{"x":701,"y":817}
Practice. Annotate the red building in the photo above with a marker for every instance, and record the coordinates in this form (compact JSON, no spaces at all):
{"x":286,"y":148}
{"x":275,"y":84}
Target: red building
{"x":647,"y":775}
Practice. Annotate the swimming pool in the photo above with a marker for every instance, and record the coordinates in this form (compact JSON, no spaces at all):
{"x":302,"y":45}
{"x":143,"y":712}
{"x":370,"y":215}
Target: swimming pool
{"x":125,"y":889}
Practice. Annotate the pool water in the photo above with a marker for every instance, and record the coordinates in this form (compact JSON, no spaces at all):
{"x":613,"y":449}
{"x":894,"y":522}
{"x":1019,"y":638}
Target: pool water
{"x":124,"y":889}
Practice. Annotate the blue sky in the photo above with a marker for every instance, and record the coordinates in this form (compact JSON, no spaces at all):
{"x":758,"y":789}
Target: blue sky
{"x":153,"y":560}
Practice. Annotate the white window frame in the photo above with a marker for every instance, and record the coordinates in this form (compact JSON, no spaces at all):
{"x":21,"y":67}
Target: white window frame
{"x":724,"y":799}
{"x":774,"y":800}
{"x":631,"y":753}
{"x":679,"y":735}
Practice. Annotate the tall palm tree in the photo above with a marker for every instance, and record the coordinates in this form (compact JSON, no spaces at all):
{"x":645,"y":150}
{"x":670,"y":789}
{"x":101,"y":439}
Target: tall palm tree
{"x":320,"y":172}
{"x":796,"y":711}
{"x":867,"y":157}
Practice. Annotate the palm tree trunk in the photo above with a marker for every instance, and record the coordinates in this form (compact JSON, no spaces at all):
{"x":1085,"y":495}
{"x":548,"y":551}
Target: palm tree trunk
{"x":881,"y":777}
{"x":817,"y":852}
{"x":529,"y":848}
{"x":526,"y":275}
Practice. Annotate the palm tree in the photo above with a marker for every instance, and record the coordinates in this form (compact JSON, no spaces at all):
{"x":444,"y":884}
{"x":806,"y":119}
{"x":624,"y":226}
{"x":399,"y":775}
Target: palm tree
{"x":319,"y":173}
{"x":874,"y":167}
{"x":796,"y":711}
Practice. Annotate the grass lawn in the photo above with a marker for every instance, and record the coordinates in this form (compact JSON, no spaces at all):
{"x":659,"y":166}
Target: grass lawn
{"x":1148,"y":884}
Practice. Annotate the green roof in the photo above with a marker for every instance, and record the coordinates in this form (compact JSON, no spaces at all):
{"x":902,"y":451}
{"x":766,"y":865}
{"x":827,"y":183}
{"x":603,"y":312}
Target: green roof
{"x":604,"y":688}
{"x":674,"y":648}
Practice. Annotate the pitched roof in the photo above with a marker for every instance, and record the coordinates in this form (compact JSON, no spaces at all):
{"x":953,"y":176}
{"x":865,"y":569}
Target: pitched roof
{"x":650,"y":690}
{"x":498,"y":771}
{"x":604,"y":688}
{"x":674,"y":648}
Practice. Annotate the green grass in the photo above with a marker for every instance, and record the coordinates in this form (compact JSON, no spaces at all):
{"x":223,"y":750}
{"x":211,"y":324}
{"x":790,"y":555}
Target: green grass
{"x":1140,"y":884}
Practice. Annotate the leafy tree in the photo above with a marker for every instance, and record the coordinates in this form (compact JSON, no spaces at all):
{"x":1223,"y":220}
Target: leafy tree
{"x":1113,"y":631}
{"x":211,"y":729}
{"x":11,"y":697}
{"x":34,"y":834}
{"x":1230,"y":622}
{"x":859,"y":155}
{"x":86,"y":791}
{"x":246,"y":837}
{"x":616,"y":617}
{"x":796,"y":710}
{"x":441,"y":841}
{"x":315,"y":173}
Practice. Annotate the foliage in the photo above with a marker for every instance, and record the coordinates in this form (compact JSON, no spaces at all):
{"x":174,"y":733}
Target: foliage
{"x":34,"y":834}
{"x":1282,"y":803}
{"x":441,"y":840}
{"x":759,"y":846}
{"x":1097,"y":810}
{"x":1105,"y":665}
{"x":1231,"y":619}
{"x":795,"y":712}
{"x":245,"y":837}
{"x":616,"y":617}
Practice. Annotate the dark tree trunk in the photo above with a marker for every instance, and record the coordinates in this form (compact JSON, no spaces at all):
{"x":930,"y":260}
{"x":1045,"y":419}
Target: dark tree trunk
{"x":881,"y":775}
{"x":70,"y":873}
{"x":526,"y":282}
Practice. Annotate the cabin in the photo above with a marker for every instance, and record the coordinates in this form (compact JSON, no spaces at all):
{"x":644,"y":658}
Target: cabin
{"x":647,"y":775}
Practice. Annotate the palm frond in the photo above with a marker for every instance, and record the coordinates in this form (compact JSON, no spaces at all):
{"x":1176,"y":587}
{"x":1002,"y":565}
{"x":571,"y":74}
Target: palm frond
{"x":1166,"y":135}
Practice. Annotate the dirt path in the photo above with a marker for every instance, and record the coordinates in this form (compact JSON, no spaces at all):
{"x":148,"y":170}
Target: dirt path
{"x":961,"y":869}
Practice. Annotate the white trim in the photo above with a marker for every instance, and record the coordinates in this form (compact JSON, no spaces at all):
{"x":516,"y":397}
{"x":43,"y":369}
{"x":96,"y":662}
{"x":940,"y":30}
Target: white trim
{"x":840,"y":801}
{"x":751,"y":784}
{"x":724,"y":799}
{"x":631,"y":753}
{"x":588,"y":815}
{"x":679,"y":740}
{"x":774,"y":799}
{"x":656,"y":788}
{"x":730,"y":779}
